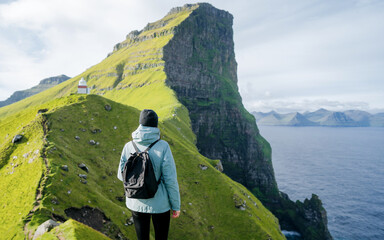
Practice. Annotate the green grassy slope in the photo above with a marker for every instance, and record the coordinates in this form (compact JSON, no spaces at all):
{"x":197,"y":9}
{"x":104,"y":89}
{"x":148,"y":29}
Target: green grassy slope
{"x":136,"y":65}
{"x":209,"y":198}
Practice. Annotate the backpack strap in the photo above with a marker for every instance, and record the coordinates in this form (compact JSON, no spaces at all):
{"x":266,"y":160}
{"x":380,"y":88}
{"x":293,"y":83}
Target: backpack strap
{"x":146,"y":150}
{"x":136,"y":149}
{"x":150,"y":146}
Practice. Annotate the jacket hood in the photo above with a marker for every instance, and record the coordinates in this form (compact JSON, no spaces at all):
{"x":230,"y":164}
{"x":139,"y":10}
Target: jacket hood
{"x":145,"y":135}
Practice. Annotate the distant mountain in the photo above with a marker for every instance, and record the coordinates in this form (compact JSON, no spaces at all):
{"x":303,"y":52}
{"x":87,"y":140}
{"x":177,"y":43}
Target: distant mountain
{"x":377,"y":120}
{"x":289,"y":119}
{"x":321,"y":117}
{"x":43,"y":85}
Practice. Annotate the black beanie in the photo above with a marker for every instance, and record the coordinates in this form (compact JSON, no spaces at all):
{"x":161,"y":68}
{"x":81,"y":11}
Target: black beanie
{"x":148,"y":118}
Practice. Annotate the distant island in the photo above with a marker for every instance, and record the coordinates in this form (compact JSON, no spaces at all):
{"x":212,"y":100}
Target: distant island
{"x":42,"y":86}
{"x":321,"y":117}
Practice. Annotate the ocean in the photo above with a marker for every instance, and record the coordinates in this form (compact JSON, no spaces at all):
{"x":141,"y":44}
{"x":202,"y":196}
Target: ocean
{"x":343,"y":166}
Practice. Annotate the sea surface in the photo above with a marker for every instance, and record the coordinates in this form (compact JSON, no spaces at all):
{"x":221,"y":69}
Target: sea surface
{"x":343,"y":166}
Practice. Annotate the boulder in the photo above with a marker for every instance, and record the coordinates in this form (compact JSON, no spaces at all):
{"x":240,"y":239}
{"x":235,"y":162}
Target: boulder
{"x":130,"y":221}
{"x":42,"y":111}
{"x":83,"y":181}
{"x":45,"y":227}
{"x":219,"y":166}
{"x":108,"y":107}
{"x":83,"y":176}
{"x":83,"y":166}
{"x":17,"y":138}
{"x":203,"y":167}
{"x":92,"y":142}
{"x":65,"y":168}
{"x":96,"y":130}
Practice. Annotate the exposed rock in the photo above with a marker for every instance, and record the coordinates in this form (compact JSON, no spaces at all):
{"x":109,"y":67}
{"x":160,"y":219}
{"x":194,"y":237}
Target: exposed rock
{"x":219,"y":166}
{"x":83,"y":176}
{"x":96,"y":219}
{"x":92,"y":142}
{"x":239,"y":202}
{"x":83,"y":166}
{"x":203,"y":167}
{"x":108,"y":107}
{"x":42,"y":111}
{"x":17,"y":138}
{"x":83,"y":181}
{"x":201,"y":68}
{"x":95,"y":130}
{"x":45,"y":227}
{"x":77,"y":137}
{"x":129,"y":221}
{"x":65,"y":168}
{"x":133,"y":34}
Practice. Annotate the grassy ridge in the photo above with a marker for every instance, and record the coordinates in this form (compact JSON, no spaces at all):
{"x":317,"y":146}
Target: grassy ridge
{"x":208,"y":196}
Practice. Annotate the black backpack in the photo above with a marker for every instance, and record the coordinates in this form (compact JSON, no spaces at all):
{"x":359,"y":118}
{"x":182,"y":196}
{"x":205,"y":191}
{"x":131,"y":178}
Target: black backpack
{"x":138,"y":175}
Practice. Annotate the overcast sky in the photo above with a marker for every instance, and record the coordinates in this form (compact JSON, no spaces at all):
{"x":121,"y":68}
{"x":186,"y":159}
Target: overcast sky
{"x":292,"y":55}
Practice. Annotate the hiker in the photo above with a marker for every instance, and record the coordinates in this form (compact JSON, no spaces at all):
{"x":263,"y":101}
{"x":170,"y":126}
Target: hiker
{"x":167,"y":197}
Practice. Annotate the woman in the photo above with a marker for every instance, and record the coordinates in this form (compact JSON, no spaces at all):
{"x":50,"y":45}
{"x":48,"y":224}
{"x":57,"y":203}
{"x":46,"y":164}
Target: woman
{"x":167,"y":197}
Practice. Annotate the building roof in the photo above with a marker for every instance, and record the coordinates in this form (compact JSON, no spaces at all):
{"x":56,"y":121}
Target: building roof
{"x":82,"y":82}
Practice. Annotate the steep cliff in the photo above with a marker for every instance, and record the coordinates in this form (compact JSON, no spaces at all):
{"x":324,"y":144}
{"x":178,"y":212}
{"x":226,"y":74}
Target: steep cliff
{"x":201,"y":67}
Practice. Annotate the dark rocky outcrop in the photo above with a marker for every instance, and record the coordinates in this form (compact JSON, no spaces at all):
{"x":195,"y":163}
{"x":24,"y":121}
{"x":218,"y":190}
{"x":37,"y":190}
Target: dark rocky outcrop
{"x":83,"y":167}
{"x":201,"y":68}
{"x":17,"y":138}
{"x":96,"y":219}
{"x":43,"y":85}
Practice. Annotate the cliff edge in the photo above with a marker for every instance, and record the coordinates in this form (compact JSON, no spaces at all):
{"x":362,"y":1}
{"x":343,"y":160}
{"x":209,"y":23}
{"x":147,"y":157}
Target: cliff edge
{"x":201,"y":67}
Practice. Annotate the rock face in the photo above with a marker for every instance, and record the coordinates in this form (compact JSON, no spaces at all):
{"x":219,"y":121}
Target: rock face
{"x":45,"y":227}
{"x":43,"y":85}
{"x":201,"y":68}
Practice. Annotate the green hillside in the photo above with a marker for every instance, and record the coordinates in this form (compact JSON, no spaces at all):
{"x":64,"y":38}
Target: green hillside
{"x":134,"y":70}
{"x":210,"y":200}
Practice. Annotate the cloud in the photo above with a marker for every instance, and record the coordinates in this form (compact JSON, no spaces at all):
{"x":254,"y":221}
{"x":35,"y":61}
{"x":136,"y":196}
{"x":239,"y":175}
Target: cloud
{"x":329,"y":51}
{"x":42,"y":38}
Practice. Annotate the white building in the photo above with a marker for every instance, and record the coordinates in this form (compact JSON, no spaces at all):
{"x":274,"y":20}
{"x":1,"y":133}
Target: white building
{"x":83,"y":88}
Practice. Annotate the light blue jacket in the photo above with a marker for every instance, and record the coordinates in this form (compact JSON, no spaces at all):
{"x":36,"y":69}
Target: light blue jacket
{"x":167,"y":196}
